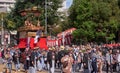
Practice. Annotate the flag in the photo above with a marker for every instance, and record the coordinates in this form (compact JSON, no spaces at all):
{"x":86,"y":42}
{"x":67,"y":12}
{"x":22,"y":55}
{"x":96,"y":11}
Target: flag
{"x":38,"y":33}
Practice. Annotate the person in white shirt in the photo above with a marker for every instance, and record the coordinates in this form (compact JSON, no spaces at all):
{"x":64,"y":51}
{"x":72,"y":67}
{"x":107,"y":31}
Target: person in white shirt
{"x":109,"y":60}
{"x":118,"y":60}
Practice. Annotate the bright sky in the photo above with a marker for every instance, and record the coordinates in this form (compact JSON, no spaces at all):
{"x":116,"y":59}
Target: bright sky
{"x":66,"y":5}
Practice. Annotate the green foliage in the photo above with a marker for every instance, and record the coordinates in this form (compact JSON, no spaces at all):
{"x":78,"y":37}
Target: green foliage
{"x":15,"y":20}
{"x":95,"y":20}
{"x":2,"y":19}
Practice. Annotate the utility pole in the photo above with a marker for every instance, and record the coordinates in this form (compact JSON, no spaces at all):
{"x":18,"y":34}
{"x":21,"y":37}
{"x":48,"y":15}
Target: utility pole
{"x":46,"y":17}
{"x":3,"y":10}
{"x":2,"y":32}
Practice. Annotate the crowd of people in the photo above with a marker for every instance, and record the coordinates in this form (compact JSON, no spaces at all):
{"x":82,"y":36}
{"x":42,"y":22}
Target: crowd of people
{"x":89,"y":58}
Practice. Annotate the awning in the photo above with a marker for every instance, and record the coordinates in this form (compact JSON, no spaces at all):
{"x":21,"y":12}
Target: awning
{"x":66,"y":32}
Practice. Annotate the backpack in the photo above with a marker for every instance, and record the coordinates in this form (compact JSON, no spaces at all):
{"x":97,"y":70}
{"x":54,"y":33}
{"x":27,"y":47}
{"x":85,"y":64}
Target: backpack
{"x":65,"y":64}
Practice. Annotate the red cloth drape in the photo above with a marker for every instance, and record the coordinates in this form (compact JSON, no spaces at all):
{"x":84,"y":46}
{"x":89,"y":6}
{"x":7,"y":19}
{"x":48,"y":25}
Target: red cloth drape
{"x":32,"y":45}
{"x":42,"y":43}
{"x":22,"y":43}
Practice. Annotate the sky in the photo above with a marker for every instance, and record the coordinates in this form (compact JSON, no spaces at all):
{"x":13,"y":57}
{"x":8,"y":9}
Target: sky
{"x":66,"y":5}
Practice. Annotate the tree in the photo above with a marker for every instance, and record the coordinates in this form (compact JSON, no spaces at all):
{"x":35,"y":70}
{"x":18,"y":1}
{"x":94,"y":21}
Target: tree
{"x":15,"y":20}
{"x":95,"y":20}
{"x":2,"y":18}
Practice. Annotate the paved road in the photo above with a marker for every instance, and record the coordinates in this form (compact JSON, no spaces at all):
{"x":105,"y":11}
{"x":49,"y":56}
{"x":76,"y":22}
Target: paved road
{"x":2,"y":69}
{"x":58,"y":71}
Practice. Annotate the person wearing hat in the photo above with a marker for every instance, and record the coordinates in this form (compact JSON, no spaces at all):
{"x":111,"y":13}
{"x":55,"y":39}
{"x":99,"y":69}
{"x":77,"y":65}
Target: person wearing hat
{"x":51,"y":60}
{"x":109,"y":61}
{"x":9,"y":61}
{"x":118,"y":61}
{"x":80,"y":57}
{"x":16,"y":59}
{"x":50,"y":48}
{"x":33,"y":57}
{"x":61,"y":53}
{"x":86,"y":62}
{"x":94,"y":60}
{"x":67,"y":62}
{"x":62,"y":47}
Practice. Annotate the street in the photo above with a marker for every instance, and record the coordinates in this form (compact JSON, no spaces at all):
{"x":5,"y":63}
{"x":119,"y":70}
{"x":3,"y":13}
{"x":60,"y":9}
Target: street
{"x":2,"y":69}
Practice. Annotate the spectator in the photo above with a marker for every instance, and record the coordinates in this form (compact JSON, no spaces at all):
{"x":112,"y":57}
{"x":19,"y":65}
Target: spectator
{"x":9,"y":61}
{"x":109,"y":59}
{"x":86,"y":63}
{"x":67,"y":62}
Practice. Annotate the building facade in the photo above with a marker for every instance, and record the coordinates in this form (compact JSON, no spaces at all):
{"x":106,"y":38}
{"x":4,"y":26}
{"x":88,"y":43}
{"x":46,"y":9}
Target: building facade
{"x":5,"y":5}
